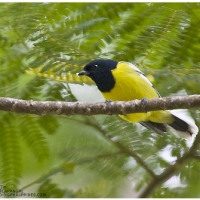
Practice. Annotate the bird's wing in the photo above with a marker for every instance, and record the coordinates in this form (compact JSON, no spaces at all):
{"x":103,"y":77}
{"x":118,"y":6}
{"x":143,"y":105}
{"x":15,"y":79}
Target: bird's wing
{"x":142,"y":76}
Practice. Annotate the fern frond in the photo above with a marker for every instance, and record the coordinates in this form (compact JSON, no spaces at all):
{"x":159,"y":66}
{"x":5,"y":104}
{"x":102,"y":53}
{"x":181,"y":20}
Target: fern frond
{"x":33,"y":136}
{"x":11,"y":154}
{"x":32,"y":89}
{"x":63,"y":77}
{"x":8,"y":82}
{"x":100,"y":189}
{"x":49,"y":124}
{"x":165,"y":32}
{"x":52,"y":190}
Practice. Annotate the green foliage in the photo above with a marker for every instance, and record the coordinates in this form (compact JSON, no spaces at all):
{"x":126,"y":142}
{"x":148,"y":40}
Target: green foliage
{"x":43,"y":46}
{"x":51,"y":190}
{"x":11,"y":152}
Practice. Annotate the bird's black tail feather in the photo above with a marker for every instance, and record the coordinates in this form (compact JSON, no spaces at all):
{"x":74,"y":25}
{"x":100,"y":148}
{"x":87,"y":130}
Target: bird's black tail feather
{"x":157,"y":127}
{"x":181,"y":127}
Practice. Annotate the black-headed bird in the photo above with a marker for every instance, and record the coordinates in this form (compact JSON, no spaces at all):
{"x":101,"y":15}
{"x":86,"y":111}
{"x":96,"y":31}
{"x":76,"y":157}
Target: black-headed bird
{"x":123,"y":81}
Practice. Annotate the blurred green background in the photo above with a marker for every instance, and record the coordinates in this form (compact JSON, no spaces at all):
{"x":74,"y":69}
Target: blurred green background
{"x":43,"y":46}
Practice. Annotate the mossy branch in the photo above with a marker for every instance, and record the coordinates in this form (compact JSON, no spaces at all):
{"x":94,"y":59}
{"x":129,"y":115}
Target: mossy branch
{"x":108,"y":108}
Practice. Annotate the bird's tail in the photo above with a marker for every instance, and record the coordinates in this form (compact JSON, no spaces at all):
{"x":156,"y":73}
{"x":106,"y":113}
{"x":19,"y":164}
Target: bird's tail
{"x":157,"y":127}
{"x":182,"y":128}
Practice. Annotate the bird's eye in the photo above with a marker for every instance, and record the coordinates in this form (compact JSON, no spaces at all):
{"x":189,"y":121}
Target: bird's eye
{"x":95,"y":66}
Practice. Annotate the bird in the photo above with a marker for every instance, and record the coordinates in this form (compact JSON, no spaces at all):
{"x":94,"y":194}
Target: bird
{"x":123,"y":81}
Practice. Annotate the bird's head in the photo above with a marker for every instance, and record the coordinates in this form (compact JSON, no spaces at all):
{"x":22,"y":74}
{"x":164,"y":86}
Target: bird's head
{"x":100,"y":72}
{"x":97,"y":68}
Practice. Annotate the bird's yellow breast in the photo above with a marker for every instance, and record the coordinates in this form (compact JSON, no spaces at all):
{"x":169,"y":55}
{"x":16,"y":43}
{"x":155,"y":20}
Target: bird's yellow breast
{"x":130,"y":84}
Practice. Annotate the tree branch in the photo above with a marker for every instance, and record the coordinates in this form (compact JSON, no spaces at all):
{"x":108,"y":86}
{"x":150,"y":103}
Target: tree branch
{"x":110,"y":108}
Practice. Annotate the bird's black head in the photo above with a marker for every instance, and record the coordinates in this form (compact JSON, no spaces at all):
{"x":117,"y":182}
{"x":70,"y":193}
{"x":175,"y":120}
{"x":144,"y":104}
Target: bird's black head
{"x":100,"y":72}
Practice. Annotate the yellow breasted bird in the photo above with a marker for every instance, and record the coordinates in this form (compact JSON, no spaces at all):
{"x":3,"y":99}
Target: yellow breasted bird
{"x":123,"y":81}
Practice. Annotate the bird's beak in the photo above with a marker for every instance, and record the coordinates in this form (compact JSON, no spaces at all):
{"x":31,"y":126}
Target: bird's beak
{"x":82,"y":73}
